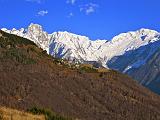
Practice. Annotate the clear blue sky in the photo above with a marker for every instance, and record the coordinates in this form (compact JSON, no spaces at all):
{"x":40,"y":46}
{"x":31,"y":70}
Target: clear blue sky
{"x":101,"y":19}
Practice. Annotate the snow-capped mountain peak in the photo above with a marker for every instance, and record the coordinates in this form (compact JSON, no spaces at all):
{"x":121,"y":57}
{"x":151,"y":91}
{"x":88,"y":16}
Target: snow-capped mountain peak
{"x":35,"y":32}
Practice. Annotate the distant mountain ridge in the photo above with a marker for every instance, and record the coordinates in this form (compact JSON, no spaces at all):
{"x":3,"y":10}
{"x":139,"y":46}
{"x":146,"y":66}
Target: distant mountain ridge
{"x":75,"y":47}
{"x":126,"y":52}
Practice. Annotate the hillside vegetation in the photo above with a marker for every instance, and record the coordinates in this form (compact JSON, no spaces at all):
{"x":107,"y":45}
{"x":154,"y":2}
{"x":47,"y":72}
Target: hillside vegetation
{"x":29,"y":77}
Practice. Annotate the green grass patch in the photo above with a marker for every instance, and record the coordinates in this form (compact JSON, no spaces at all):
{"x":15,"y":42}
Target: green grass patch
{"x":49,"y":115}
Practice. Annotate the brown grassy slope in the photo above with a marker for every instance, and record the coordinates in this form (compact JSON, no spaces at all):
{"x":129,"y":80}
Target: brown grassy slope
{"x":29,"y":77}
{"x":11,"y":114}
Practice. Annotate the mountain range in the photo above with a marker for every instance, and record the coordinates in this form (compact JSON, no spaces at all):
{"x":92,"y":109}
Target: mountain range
{"x":135,"y":53}
{"x":31,"y":79}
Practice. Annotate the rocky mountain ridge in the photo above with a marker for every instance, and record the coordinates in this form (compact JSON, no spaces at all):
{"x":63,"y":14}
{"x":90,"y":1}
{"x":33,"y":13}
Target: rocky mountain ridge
{"x":80,"y":48}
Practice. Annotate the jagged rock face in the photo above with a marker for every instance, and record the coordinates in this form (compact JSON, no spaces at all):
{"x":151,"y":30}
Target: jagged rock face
{"x":36,"y":33}
{"x":71,"y":46}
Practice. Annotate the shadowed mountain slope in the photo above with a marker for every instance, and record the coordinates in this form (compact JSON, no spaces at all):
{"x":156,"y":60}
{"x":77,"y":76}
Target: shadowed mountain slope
{"x":146,"y":70}
{"x":149,"y":74}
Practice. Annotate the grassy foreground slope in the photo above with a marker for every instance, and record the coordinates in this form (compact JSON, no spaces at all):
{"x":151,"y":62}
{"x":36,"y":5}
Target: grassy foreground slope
{"x":29,"y":77}
{"x":11,"y":114}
